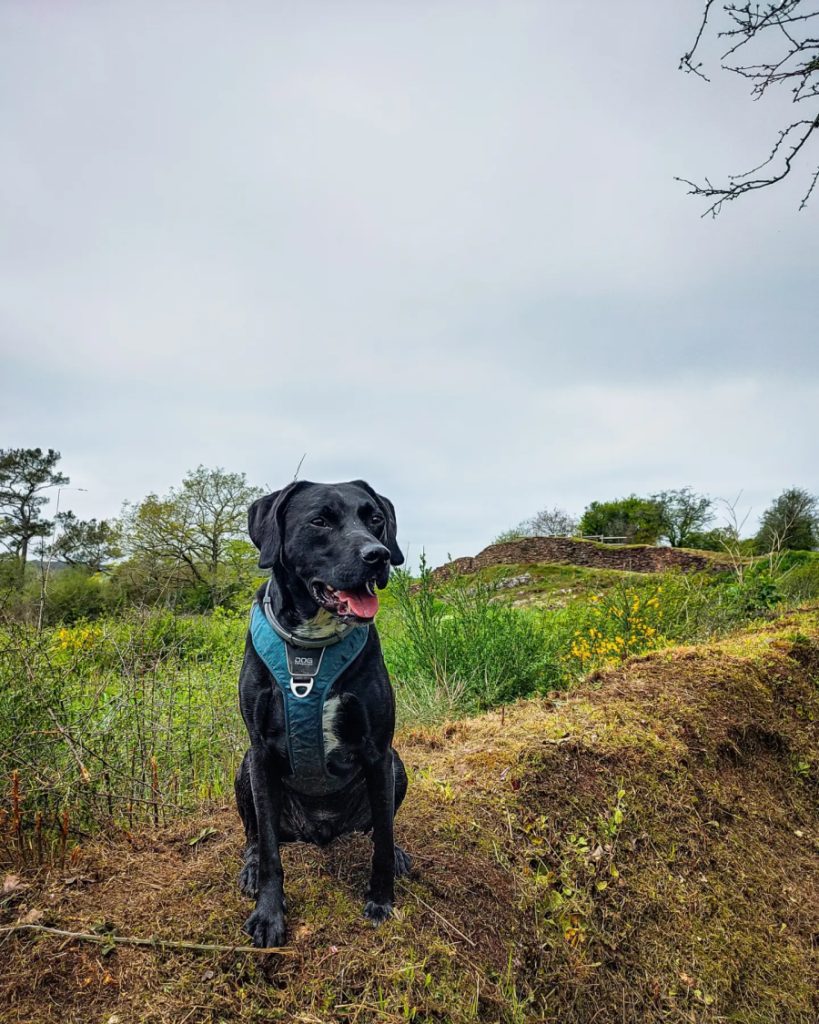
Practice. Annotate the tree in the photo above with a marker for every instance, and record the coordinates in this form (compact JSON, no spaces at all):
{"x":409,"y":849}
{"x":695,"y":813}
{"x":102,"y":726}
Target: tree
{"x":552,"y":522}
{"x":24,"y":474}
{"x":685,"y":515}
{"x":785,"y":52}
{"x":790,"y":523}
{"x":549,"y":522}
{"x":87,"y":544}
{"x":188,"y":538}
{"x":634,"y":520}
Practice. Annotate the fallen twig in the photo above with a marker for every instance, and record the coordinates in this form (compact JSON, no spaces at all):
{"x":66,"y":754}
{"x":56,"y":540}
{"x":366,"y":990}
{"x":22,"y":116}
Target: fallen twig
{"x":129,"y":940}
{"x":440,"y":917}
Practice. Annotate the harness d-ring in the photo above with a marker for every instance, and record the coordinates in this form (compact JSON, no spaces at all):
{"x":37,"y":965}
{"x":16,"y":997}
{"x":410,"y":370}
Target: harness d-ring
{"x":300,"y":687}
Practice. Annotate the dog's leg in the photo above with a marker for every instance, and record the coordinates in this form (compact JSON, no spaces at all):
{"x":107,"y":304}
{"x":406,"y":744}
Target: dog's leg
{"x":266,"y":925}
{"x":403,"y":861}
{"x":381,"y":790}
{"x":249,"y":875}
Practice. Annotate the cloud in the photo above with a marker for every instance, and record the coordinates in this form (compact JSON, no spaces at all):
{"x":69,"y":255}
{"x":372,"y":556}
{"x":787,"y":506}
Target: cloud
{"x":438,"y":245}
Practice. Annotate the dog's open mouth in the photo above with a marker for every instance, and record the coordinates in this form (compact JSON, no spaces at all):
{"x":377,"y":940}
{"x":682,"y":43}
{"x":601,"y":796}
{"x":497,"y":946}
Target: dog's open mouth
{"x":361,"y":603}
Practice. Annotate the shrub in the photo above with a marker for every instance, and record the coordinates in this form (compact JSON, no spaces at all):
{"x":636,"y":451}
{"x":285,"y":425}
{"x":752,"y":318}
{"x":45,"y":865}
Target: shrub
{"x":466,"y":652}
{"x":75,"y":594}
{"x":801,"y":581}
{"x":624,"y":621}
{"x":638,"y":520}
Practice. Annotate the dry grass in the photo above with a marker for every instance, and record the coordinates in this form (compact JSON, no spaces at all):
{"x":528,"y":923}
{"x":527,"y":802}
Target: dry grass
{"x":644,"y":849}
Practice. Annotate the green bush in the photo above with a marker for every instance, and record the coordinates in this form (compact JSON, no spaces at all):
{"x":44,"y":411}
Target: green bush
{"x":76,"y":594}
{"x":466,"y":652}
{"x":801,"y":581}
{"x":637,"y":520}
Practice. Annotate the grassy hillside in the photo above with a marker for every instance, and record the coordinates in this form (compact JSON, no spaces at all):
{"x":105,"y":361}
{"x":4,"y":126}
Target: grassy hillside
{"x":642,"y":849}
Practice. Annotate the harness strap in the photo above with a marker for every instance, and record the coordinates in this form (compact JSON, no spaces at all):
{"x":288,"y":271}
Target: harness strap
{"x":305,"y":677}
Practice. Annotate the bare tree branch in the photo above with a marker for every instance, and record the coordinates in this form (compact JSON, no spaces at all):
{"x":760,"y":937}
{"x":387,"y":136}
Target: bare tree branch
{"x":784,"y":26}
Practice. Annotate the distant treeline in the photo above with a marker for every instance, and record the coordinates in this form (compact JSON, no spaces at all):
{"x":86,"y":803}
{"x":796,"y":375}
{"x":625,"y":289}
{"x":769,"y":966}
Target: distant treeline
{"x":683,"y":519}
{"x":188,"y":550}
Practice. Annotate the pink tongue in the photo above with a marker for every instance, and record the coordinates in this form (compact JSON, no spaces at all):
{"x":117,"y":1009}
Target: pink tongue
{"x":359,"y":602}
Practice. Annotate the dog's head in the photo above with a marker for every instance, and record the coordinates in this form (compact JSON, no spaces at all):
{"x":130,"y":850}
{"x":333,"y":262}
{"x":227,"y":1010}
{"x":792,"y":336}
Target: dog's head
{"x":333,"y":543}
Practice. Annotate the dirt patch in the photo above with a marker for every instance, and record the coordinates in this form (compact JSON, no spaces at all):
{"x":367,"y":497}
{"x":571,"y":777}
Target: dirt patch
{"x":566,"y":551}
{"x":646,"y":849}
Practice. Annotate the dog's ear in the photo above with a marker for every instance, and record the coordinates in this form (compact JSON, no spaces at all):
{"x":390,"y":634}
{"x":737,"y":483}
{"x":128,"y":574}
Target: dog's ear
{"x":265,"y":523}
{"x":388,"y":511}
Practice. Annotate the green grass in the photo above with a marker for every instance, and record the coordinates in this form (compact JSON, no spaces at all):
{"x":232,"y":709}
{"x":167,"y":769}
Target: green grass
{"x":133,"y":718}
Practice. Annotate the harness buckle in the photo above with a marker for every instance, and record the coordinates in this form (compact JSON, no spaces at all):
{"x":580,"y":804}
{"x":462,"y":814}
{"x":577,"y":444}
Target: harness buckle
{"x":300,"y":687}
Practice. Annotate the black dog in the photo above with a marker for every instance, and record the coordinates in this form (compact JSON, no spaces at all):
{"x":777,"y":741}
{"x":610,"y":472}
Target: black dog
{"x":328,"y":546}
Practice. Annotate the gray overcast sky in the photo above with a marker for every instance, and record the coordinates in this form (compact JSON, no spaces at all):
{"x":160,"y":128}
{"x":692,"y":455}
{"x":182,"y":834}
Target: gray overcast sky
{"x":437,"y":245}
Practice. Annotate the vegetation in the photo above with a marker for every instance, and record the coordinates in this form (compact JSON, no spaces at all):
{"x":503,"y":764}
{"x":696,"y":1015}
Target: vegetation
{"x":24,"y":474}
{"x":631,"y":520}
{"x":119,"y":736}
{"x":790,"y":523}
{"x":640,"y":849}
{"x":678,"y":517}
{"x":549,"y":522}
{"x":684,"y":516}
{"x":133,"y":717}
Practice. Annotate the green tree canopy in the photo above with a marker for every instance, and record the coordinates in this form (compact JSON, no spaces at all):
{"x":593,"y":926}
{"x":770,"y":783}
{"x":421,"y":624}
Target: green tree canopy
{"x":86,"y":543}
{"x":790,"y":523}
{"x":193,"y":536}
{"x":24,"y":474}
{"x":634,"y":520}
{"x":685,"y":515}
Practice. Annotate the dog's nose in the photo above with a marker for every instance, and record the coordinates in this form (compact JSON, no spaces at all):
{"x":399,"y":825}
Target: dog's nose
{"x":375,"y":554}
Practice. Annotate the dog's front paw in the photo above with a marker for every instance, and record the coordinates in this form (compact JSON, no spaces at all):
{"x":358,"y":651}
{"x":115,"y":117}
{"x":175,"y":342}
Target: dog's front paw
{"x":377,"y":912}
{"x":249,"y":878}
{"x":266,"y":927}
{"x":403,"y":862}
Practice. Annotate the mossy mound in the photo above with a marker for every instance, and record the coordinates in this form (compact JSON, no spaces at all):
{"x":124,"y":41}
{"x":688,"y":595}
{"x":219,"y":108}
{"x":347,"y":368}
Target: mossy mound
{"x":645,"y":849}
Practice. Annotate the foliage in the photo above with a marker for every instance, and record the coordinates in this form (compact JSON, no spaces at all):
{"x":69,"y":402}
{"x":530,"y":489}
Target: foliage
{"x":552,"y":522}
{"x":791,"y":522}
{"x":624,"y":622}
{"x":121,"y":719}
{"x":187,"y":546}
{"x":470,"y":651}
{"x":515,"y":533}
{"x":685,"y":514}
{"x":76,"y":594}
{"x":714,"y":539}
{"x":24,"y":474}
{"x":87,"y":543}
{"x":634,"y":520}
{"x":549,"y":522}
{"x":798,"y":578}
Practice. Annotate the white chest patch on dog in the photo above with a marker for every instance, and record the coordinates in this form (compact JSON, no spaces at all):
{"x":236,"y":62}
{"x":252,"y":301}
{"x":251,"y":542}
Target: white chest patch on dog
{"x":320,"y":627}
{"x":328,"y":725}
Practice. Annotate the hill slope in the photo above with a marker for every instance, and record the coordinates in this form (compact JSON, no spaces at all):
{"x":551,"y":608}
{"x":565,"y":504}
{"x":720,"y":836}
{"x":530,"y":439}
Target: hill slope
{"x":644,"y":849}
{"x":587,"y":553}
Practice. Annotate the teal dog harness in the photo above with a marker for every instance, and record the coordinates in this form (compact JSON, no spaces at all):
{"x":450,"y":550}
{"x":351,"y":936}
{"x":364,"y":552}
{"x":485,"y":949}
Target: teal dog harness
{"x":305,"y":677}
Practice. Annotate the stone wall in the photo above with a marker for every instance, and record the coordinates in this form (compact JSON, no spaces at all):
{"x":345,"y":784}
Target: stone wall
{"x":566,"y":551}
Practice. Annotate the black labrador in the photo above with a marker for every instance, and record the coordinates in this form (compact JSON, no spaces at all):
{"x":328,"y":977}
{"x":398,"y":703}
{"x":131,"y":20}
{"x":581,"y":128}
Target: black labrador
{"x":328,"y":547}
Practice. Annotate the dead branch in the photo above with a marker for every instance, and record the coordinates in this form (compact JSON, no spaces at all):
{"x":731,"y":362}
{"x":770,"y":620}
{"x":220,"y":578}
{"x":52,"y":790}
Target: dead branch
{"x":107,"y":938}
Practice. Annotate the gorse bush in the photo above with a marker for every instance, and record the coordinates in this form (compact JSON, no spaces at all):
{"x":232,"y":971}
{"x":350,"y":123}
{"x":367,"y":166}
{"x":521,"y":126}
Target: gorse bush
{"x":468,"y":652}
{"x":624,"y":621}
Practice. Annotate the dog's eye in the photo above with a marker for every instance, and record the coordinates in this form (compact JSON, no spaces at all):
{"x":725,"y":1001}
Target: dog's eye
{"x":376,"y":519}
{"x":319,"y":521}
